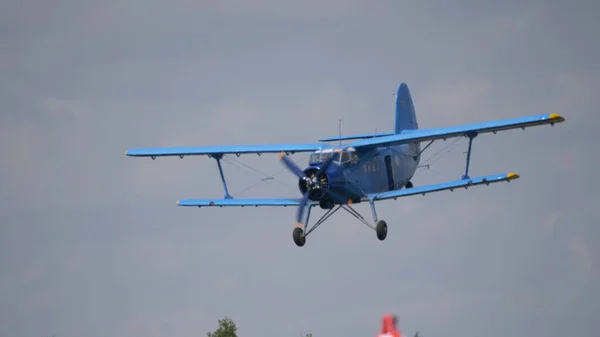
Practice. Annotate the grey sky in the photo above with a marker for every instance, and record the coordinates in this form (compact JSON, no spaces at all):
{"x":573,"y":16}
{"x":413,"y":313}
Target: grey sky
{"x":92,"y":244}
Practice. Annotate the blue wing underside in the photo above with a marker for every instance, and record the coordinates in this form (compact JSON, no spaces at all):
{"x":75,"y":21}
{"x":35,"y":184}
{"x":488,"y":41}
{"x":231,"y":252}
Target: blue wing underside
{"x":421,"y":135}
{"x":240,"y":202}
{"x":450,"y":185}
{"x":365,"y":141}
{"x":220,"y":150}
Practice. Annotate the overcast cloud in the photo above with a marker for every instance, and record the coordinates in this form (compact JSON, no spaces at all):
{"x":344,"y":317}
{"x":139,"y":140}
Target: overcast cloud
{"x":92,"y":243}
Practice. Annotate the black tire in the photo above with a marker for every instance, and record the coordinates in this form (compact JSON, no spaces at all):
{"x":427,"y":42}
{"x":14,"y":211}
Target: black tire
{"x":299,"y":237}
{"x":381,"y":230}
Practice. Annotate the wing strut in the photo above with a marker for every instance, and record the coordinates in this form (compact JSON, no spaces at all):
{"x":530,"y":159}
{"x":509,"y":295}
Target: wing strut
{"x":425,"y":148}
{"x":471,"y":135}
{"x":218,"y":157}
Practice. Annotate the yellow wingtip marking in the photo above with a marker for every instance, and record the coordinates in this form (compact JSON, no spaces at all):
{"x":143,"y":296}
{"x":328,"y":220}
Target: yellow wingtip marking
{"x":512,"y":175}
{"x":557,"y":117}
{"x":177,"y":202}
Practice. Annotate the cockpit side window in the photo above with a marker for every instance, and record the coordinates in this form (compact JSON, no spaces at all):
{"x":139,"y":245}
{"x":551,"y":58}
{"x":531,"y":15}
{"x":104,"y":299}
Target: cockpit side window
{"x":354,"y":158}
{"x":345,"y":157}
{"x":349,"y":158}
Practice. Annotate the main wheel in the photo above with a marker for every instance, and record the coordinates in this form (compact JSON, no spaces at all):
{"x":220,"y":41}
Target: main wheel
{"x":299,"y":237}
{"x":381,"y":230}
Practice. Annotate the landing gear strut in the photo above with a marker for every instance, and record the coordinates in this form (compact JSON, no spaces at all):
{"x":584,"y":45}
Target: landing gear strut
{"x":300,"y":233}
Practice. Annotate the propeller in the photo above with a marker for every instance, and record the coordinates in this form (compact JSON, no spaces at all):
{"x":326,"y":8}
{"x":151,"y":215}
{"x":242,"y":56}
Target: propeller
{"x":292,"y":166}
{"x":312,"y":183}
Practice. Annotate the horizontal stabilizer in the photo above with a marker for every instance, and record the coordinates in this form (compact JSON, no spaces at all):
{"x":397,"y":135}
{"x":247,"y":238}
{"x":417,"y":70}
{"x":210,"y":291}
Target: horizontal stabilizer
{"x":451,"y":185}
{"x":459,"y":131}
{"x":358,"y":136}
{"x":217,"y":150}
{"x":240,"y":202}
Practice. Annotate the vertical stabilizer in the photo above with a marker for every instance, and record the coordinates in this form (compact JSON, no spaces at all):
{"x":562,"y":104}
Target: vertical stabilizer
{"x":406,"y":118}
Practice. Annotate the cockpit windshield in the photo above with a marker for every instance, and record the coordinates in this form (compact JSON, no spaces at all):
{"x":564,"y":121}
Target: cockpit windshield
{"x":327,"y":155}
{"x":348,"y":156}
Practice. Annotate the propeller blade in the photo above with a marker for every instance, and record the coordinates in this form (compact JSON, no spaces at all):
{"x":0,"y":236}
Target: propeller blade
{"x":292,"y":166}
{"x":300,"y":214}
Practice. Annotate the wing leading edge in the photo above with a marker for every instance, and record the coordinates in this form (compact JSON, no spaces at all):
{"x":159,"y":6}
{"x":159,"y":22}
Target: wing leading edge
{"x":219,"y":150}
{"x":240,"y":202}
{"x":451,"y":185}
{"x":459,"y":131}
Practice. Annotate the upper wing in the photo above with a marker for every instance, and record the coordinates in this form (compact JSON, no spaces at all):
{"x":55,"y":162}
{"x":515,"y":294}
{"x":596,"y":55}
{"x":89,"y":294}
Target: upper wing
{"x":495,"y":178}
{"x":232,"y":149}
{"x":241,"y":202}
{"x":457,"y":131}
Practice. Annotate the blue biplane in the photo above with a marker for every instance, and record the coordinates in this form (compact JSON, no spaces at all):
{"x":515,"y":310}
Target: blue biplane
{"x":373,"y":167}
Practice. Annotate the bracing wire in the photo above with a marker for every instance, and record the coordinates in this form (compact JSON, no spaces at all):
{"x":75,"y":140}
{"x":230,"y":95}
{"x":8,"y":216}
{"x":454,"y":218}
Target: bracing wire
{"x":264,"y":177}
{"x":445,"y":148}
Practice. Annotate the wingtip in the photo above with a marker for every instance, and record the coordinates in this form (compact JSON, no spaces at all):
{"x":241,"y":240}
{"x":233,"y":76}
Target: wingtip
{"x":556,"y":117}
{"x":177,"y":203}
{"x":512,"y":175}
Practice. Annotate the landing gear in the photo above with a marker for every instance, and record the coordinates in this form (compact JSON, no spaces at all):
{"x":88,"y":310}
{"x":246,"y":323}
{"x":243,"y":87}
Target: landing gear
{"x":299,"y":237}
{"x":381,"y":230}
{"x":301,"y":232}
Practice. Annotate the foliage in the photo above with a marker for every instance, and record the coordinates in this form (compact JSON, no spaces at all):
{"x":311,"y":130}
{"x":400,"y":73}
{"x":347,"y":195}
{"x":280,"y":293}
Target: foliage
{"x":227,"y":328}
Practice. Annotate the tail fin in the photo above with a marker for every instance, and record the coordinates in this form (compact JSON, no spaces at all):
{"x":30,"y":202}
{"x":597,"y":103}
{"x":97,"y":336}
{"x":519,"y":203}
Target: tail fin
{"x":406,"y":118}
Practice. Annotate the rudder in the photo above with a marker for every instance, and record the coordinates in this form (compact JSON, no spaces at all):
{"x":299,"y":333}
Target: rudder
{"x":406,"y":118}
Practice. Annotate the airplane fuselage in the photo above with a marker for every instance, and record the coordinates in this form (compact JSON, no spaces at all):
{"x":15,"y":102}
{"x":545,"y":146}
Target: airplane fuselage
{"x":384,"y":169}
{"x":376,"y":170}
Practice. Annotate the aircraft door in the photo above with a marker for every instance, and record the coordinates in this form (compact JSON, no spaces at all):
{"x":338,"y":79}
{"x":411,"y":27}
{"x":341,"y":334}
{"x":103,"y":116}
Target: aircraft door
{"x":390,"y":172}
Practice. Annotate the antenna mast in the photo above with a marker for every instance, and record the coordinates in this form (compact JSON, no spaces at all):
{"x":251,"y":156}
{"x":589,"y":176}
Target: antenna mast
{"x":340,"y":130}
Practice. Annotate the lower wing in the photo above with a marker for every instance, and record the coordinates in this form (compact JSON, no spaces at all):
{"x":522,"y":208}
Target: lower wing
{"x":451,"y":185}
{"x":240,"y":202}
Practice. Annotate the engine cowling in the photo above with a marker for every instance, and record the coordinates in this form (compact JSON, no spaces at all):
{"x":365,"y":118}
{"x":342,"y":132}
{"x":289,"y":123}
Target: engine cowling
{"x":333,"y":180}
